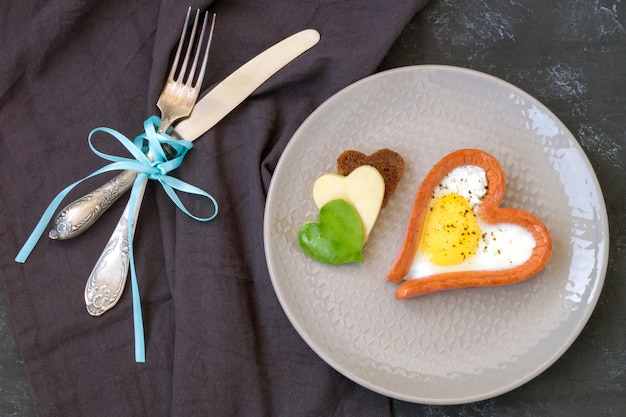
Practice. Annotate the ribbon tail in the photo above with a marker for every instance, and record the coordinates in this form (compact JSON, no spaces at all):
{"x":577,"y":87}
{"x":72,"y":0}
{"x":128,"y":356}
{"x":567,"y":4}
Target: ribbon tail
{"x":140,"y":342}
{"x":136,"y":195}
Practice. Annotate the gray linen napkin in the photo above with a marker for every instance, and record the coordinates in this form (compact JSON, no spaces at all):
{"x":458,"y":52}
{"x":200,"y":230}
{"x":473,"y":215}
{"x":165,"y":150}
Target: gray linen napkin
{"x":217,"y":340}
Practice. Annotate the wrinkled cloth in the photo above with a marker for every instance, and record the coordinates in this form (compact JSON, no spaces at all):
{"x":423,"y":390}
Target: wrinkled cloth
{"x":217,"y":340}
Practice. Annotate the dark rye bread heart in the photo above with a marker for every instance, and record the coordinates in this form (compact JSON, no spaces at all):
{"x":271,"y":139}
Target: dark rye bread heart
{"x":389,"y":163}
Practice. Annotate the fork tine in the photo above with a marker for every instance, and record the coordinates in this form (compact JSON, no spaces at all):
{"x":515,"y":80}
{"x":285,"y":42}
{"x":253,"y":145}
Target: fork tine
{"x":192,"y":71}
{"x":180,"y":47}
{"x":183,"y":68}
{"x":181,"y":91}
{"x":206,"y":52}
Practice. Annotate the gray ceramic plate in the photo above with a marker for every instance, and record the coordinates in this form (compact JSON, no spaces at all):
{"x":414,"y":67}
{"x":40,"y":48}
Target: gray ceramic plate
{"x":458,"y":346}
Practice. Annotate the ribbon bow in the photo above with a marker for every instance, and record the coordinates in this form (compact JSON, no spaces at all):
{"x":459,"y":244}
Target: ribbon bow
{"x":157,"y":169}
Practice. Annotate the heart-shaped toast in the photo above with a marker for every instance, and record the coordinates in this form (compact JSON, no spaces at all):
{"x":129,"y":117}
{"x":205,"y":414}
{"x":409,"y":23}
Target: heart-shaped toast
{"x":458,"y":236}
{"x":390,"y":164}
{"x":363,"y":189}
{"x":337,"y":238}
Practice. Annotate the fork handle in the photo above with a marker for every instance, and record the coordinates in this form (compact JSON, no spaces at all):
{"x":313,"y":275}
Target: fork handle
{"x":79,"y":215}
{"x":108,"y":277}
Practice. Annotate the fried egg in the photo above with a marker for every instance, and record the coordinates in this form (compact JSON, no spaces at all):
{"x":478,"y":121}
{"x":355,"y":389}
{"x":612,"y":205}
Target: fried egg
{"x":454,"y":238}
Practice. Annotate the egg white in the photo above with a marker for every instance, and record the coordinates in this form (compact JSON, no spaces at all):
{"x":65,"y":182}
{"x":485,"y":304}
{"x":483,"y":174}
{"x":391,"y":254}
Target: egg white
{"x":501,"y":246}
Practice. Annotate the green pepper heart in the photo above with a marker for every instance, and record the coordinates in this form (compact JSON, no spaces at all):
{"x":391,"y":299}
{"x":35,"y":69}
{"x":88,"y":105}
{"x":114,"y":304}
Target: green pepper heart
{"x":337,"y":238}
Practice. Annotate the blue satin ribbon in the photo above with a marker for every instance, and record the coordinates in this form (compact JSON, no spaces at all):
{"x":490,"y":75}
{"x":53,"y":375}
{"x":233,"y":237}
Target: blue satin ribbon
{"x":157,"y":169}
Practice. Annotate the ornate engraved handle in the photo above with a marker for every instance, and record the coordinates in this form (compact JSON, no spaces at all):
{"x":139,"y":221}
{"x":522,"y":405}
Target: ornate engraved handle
{"x":108,"y":278}
{"x":79,"y":215}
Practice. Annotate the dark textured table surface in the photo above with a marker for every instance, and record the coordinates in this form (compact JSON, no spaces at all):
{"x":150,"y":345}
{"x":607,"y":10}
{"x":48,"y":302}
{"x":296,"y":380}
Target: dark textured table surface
{"x":571,"y":56}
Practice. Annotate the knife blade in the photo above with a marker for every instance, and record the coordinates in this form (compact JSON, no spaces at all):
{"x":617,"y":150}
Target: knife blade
{"x":243,"y":82}
{"x":79,"y":215}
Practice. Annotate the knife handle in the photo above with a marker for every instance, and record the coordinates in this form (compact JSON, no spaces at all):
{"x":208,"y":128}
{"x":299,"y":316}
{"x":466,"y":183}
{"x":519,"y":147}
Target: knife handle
{"x":108,"y":277}
{"x":79,"y":215}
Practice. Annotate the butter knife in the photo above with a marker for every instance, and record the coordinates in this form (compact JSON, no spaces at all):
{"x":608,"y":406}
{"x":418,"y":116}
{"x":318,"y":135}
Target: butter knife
{"x":108,"y":278}
{"x":80,"y":214}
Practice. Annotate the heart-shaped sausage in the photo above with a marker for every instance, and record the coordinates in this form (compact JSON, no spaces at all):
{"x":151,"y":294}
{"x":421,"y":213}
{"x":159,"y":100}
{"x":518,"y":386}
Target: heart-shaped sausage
{"x":488,"y":211}
{"x":337,"y":238}
{"x":390,"y":164}
{"x":363,"y":188}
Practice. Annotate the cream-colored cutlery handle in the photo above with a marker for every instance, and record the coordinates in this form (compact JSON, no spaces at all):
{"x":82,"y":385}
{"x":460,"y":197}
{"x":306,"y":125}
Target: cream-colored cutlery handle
{"x":108,"y":278}
{"x":79,"y":215}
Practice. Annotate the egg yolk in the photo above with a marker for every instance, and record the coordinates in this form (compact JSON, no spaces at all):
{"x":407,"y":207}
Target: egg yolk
{"x":451,"y":232}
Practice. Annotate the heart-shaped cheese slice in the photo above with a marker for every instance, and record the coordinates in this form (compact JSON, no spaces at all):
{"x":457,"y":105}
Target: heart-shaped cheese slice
{"x":458,"y":236}
{"x":364,"y":189}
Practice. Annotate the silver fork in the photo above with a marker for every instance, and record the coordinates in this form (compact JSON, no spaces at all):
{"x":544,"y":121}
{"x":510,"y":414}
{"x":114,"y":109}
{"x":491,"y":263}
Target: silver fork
{"x":108,"y":278}
{"x":181,"y":91}
{"x":176,"y":101}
